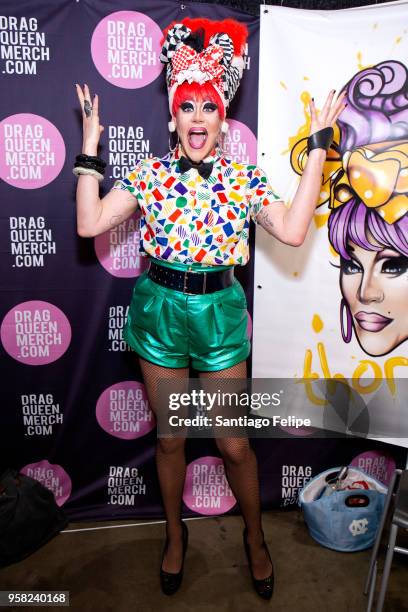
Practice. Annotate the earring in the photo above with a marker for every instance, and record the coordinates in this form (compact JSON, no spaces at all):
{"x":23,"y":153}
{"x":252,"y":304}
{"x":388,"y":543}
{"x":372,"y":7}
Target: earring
{"x":218,"y":150}
{"x":174,"y":147}
{"x":346,"y":335}
{"x":172,"y":126}
{"x":224,"y":127}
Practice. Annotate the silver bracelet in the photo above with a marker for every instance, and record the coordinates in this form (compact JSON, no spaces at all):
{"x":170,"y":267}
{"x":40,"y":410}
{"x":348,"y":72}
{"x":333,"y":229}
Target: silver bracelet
{"x":78,"y":170}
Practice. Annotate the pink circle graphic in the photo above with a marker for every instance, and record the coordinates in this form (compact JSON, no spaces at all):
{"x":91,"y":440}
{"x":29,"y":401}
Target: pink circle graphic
{"x":125,"y":49}
{"x":206,"y":489}
{"x":35,"y":332}
{"x":299,"y":431}
{"x":32,"y":151}
{"x":240,"y":143}
{"x":377,"y":464}
{"x":54,"y":477}
{"x":118,"y":249}
{"x":122,"y":410}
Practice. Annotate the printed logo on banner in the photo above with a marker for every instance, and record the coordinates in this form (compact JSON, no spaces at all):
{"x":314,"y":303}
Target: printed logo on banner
{"x":247,"y":58}
{"x":118,"y":249}
{"x":32,"y":151}
{"x":298,"y":431}
{"x":122,"y":410}
{"x":125,"y":49}
{"x":240,"y":143}
{"x":35,"y":332}
{"x":294,"y":478}
{"x":54,"y":477}
{"x":378,"y":464}
{"x":21,"y":45}
{"x":127,"y":145}
{"x":30,"y":240}
{"x":124,"y":484}
{"x":40,"y":414}
{"x":206,"y":489}
{"x":117,"y":319}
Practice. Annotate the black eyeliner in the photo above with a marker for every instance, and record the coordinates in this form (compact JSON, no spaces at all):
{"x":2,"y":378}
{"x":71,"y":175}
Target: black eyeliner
{"x":186,"y":106}
{"x":396,"y":262}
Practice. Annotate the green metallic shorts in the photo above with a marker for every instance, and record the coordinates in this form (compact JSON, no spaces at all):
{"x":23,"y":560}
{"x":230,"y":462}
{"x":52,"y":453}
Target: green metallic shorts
{"x":168,"y":327}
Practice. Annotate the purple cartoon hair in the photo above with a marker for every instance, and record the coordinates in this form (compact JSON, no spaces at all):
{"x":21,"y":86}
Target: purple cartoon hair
{"x":377,"y":111}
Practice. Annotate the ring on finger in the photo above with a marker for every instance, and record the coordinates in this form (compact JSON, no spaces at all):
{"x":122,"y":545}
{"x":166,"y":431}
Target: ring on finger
{"x":87,"y":108}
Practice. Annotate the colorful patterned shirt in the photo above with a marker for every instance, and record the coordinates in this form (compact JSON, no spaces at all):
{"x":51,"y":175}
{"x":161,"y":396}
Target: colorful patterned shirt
{"x":188,"y":219}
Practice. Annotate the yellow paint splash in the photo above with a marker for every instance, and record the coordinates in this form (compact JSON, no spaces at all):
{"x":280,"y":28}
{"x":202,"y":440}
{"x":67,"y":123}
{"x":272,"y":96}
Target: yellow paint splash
{"x":306,"y":78}
{"x":304,"y":130}
{"x":333,"y":251}
{"x":398,"y":40}
{"x":282,"y":84}
{"x":317,"y":324}
{"x":320,"y":219}
{"x":360,"y":64}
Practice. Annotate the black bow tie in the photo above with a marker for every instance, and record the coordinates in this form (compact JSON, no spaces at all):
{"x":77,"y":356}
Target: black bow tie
{"x":204,"y":169}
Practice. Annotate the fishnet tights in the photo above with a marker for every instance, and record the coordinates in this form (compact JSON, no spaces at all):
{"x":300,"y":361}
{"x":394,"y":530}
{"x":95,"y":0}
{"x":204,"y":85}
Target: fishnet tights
{"x":240,"y":462}
{"x":240,"y":469}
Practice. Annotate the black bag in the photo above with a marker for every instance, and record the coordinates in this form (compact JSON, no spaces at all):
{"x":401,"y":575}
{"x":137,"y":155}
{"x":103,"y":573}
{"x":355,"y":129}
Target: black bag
{"x":29,"y":516}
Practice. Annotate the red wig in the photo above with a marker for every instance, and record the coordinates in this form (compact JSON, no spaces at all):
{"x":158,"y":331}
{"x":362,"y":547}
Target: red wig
{"x":195,"y":91}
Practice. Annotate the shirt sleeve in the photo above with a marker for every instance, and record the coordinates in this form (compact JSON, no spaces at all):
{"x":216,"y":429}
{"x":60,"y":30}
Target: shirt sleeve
{"x":132,"y":181}
{"x":261,"y":193}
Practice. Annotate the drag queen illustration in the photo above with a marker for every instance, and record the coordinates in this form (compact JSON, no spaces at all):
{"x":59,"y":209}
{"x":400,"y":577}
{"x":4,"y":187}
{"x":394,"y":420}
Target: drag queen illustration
{"x":365,"y":183}
{"x":196,"y":206}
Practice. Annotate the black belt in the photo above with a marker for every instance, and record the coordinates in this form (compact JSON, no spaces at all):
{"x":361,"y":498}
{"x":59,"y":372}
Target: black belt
{"x":191,"y":281}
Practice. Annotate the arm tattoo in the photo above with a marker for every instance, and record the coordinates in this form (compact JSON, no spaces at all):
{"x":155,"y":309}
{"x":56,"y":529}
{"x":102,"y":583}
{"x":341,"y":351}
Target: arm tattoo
{"x":116,"y":220}
{"x":264,"y":220}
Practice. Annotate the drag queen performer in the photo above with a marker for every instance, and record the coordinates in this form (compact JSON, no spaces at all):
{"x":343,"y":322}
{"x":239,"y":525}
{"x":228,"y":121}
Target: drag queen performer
{"x":196,"y":206}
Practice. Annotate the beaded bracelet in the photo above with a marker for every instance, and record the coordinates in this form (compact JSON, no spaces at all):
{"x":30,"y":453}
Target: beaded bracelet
{"x":91,"y":158}
{"x":81,"y":170}
{"x":90,"y":165}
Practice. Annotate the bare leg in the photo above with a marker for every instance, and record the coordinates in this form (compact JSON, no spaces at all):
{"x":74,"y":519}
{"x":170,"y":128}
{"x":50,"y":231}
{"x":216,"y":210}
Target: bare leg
{"x":171,"y":465}
{"x":241,"y":469}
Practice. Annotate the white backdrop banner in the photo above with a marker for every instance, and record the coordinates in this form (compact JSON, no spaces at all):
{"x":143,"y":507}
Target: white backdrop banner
{"x":338,"y":305}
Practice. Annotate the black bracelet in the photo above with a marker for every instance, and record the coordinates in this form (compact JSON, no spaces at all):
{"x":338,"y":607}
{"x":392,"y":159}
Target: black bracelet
{"x":320,"y":140}
{"x":91,"y":158}
{"x":90,"y":165}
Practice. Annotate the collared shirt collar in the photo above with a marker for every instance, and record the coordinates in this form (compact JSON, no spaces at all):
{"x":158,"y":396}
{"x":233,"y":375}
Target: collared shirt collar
{"x":214,"y":156}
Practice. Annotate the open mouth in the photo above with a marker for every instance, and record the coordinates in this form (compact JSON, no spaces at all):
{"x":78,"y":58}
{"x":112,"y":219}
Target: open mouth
{"x":197,"y":137}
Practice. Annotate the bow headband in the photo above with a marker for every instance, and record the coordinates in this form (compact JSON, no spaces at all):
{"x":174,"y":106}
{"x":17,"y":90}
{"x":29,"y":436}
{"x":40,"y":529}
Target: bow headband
{"x":216,"y":63}
{"x":377,"y":174}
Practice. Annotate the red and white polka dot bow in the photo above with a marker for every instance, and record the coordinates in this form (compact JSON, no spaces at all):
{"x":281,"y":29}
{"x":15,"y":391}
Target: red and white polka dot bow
{"x":188,"y":65}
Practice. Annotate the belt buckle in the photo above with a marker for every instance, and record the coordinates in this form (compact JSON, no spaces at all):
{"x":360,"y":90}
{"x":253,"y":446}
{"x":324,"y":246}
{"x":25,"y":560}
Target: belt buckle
{"x":190,"y":271}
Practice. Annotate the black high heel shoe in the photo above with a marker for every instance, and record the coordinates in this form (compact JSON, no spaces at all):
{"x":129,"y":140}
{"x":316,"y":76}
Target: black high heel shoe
{"x":170,"y":582}
{"x":263,"y":586}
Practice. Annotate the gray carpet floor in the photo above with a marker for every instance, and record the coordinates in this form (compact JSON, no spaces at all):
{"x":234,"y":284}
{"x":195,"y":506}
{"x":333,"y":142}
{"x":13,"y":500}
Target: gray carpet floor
{"x":116,"y":569}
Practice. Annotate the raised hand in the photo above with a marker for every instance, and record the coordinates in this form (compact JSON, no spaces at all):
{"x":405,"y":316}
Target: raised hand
{"x":329,"y":114}
{"x":91,"y":128}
